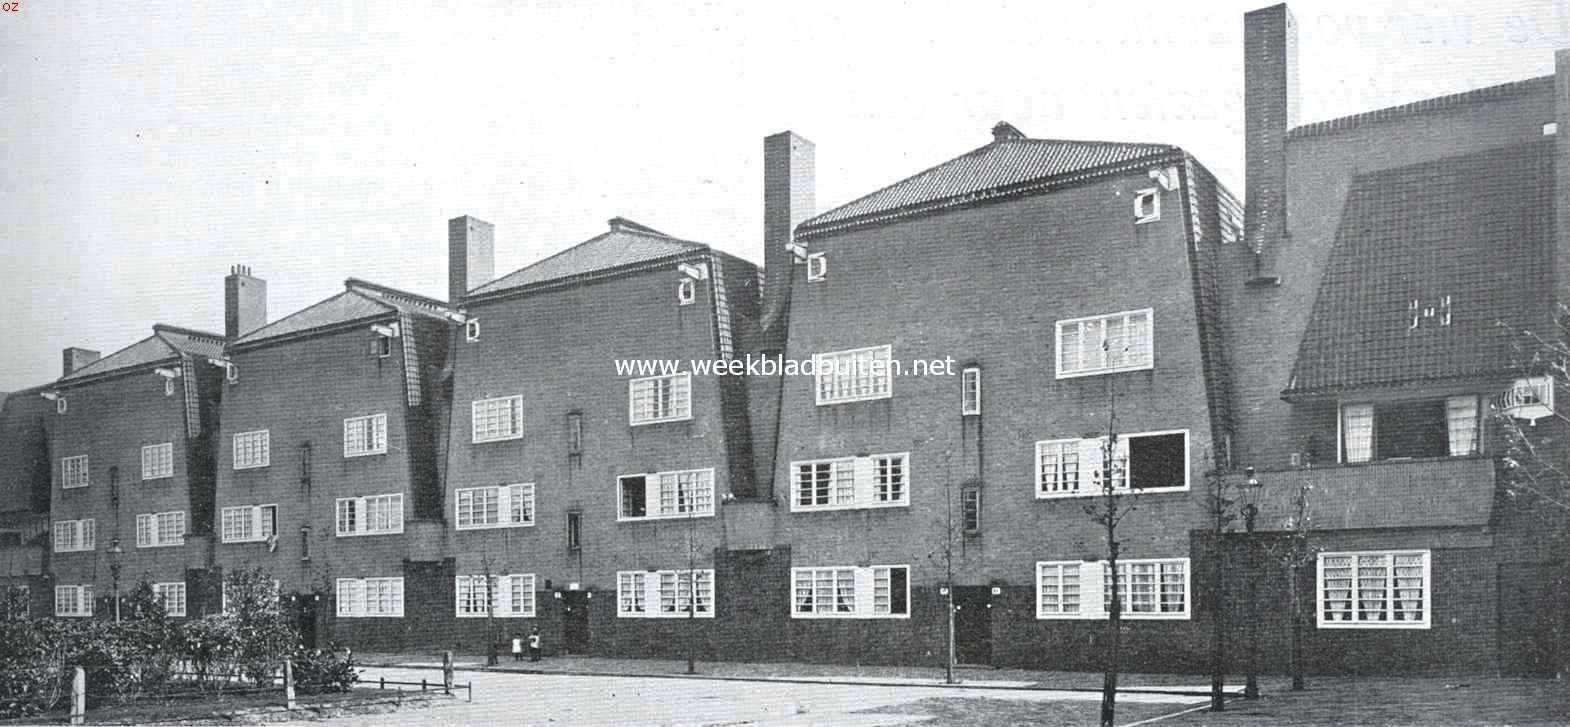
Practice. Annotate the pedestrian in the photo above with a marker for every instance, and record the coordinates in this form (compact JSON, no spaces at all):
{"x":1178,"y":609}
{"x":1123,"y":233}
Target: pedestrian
{"x":534,"y":644}
{"x":517,"y":647}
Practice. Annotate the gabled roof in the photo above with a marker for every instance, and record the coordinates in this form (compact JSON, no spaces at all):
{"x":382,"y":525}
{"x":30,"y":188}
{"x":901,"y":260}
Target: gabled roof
{"x":626,"y":243}
{"x":1476,"y":230}
{"x":1011,"y":159}
{"x":358,"y":301}
{"x":167,"y":342}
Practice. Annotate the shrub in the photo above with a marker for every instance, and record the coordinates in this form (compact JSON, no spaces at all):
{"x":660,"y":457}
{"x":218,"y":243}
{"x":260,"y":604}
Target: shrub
{"x":324,"y":671}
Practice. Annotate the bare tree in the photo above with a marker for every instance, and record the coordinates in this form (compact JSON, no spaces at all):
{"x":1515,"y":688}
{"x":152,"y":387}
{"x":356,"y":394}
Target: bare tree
{"x":945,"y":550}
{"x":1219,"y":504}
{"x":1534,"y":472}
{"x":1296,"y":553}
{"x":1108,"y":510}
{"x":494,"y":636}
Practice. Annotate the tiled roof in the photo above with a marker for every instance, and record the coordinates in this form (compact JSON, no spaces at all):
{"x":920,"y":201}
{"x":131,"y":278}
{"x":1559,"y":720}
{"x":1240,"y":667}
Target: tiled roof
{"x":1490,"y":94}
{"x":165,"y":343}
{"x":1475,"y":230}
{"x":626,"y":243}
{"x":359,"y":300}
{"x":1009,"y":160}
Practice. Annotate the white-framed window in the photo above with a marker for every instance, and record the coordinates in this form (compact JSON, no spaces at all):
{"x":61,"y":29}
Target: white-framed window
{"x":1149,"y":588}
{"x":60,"y":405}
{"x":857,"y":375}
{"x":817,"y":267}
{"x":494,"y":420}
{"x":365,"y":435}
{"x":371,"y":515}
{"x":879,"y":591}
{"x":878,"y":480}
{"x":74,"y":536}
{"x":664,"y":593}
{"x":73,"y":472}
{"x":232,"y":373}
{"x":248,"y":523}
{"x":382,"y":346}
{"x":497,"y":506}
{"x":512,"y":594}
{"x":168,"y":387}
{"x":656,"y":399}
{"x":160,"y":529}
{"x":370,"y":597}
{"x":1105,"y":344}
{"x":74,"y":600}
{"x":471,"y":329}
{"x":1374,"y":590}
{"x":970,"y":391}
{"x":172,"y":596}
{"x":666,"y":495}
{"x":1142,"y":462}
{"x":1446,"y":427}
{"x":252,"y":449}
{"x":158,"y":460}
{"x":686,"y":291}
{"x":1147,"y":206}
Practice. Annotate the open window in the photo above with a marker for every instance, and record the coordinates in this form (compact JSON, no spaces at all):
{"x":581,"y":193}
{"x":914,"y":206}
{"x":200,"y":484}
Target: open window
{"x":634,"y":501}
{"x":686,"y":291}
{"x":1157,"y":461}
{"x":1147,"y":206}
{"x":1409,"y":429}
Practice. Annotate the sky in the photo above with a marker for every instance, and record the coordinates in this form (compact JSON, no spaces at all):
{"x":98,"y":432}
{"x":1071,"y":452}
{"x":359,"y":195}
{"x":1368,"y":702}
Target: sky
{"x":147,"y":147}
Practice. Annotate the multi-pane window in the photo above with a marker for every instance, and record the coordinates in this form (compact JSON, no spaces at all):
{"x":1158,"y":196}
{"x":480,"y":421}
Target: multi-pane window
{"x":493,"y":420}
{"x":658,"y":399}
{"x":574,"y":530}
{"x":373,"y":515}
{"x":511,"y":594}
{"x":370,"y":597}
{"x":879,"y":480}
{"x":665,"y":593}
{"x":855,"y":375}
{"x":160,"y":529}
{"x":970,"y":509}
{"x":1408,"y":429}
{"x":158,"y":461}
{"x":1141,"y":462}
{"x":248,"y":523}
{"x":498,"y":506}
{"x":73,"y":600}
{"x":365,"y":435}
{"x":1105,"y":344}
{"x":72,"y":536}
{"x":880,"y":591}
{"x":1147,"y":588}
{"x":679,"y":494}
{"x":970,"y":391}
{"x":73,"y":472}
{"x":1388,"y":589}
{"x":252,"y":449}
{"x":172,"y":596}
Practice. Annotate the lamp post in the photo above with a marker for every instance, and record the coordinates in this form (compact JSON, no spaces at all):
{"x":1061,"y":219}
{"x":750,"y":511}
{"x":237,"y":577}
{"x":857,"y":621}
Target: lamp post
{"x":114,"y":573}
{"x":1250,"y":512}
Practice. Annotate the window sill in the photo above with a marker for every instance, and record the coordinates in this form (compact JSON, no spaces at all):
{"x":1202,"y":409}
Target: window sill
{"x":852,"y":400}
{"x":159,"y":545}
{"x":1093,"y":493}
{"x":1401,"y":625}
{"x":368,"y":533}
{"x":238,"y":468}
{"x":499,"y":526}
{"x":664,"y":420}
{"x":246,"y":541}
{"x":849,"y":616}
{"x":1103,"y":372}
{"x":146,"y":480}
{"x":348,"y":455}
{"x":507,"y":438}
{"x":651,"y":518}
{"x":1106,"y":617}
{"x":795,"y":508}
{"x":497,"y":615}
{"x":625,"y":614}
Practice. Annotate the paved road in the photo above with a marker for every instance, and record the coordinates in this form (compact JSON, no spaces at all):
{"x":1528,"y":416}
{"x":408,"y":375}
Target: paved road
{"x":532,"y":699}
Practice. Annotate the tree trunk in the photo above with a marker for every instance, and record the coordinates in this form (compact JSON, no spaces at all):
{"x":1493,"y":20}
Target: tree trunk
{"x":1297,"y":625}
{"x":1218,"y":648}
{"x":1109,"y":681}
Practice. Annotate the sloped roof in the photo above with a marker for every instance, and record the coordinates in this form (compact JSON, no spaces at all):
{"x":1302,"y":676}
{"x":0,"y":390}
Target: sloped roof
{"x":1010,"y":159}
{"x":359,"y":300}
{"x":1474,"y":229}
{"x":626,"y":243}
{"x":166,"y":342}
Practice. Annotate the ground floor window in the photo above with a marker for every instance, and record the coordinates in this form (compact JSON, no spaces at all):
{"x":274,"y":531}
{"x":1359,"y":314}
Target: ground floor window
{"x":73,"y":600}
{"x":1148,"y":588}
{"x":370,"y":597}
{"x":512,"y":594}
{"x":172,"y":596}
{"x":880,"y":591}
{"x":665,"y":593}
{"x":1374,"y":589}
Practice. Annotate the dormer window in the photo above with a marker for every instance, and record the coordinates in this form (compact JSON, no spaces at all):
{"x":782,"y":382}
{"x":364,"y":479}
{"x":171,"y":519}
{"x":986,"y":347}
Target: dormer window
{"x":1399,"y":430}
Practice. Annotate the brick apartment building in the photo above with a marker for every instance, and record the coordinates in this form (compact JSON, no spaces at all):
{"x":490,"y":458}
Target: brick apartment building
{"x":398,"y":463}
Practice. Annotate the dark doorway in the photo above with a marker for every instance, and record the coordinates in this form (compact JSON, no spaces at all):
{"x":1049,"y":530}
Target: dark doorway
{"x":305,"y":618}
{"x":575,"y":622}
{"x":973,"y":624}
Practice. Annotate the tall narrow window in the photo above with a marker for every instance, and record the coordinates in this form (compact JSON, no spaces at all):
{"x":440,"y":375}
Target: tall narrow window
{"x":686,"y":291}
{"x":1357,"y":433}
{"x":817,"y":267}
{"x":1461,"y":421}
{"x":574,"y":530}
{"x":970,"y":509}
{"x":970,"y":391}
{"x":471,"y":329}
{"x":574,"y":432}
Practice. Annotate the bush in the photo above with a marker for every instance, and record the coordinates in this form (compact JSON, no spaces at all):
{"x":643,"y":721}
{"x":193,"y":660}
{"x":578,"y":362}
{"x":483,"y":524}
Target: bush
{"x":33,"y":677}
{"x":324,"y":671}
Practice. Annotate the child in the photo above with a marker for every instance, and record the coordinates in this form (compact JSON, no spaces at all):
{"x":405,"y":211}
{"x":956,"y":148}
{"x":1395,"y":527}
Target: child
{"x":534,"y":644}
{"x":517,"y":647}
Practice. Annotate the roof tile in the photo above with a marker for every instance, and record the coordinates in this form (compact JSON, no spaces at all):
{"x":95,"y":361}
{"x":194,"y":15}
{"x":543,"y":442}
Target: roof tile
{"x":626,"y":243}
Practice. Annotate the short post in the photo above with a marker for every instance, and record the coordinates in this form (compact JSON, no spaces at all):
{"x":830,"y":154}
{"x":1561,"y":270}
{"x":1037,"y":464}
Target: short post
{"x":288,"y":684}
{"x":447,"y":672}
{"x":422,"y":685}
{"x":382,"y":684}
{"x":78,"y":696}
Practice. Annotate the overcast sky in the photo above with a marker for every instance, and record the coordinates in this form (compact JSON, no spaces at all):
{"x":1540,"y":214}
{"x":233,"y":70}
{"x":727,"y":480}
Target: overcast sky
{"x":146,"y":147}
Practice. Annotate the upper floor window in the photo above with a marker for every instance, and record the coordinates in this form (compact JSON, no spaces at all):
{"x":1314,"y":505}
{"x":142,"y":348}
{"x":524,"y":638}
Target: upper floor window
{"x":574,"y":531}
{"x":659,"y":399}
{"x":365,"y":435}
{"x":248,"y":523}
{"x":879,"y":480}
{"x":1409,"y":429}
{"x":73,"y":472}
{"x":1142,"y":462}
{"x":817,"y":267}
{"x":1152,"y":588}
{"x":494,"y":420}
{"x":1388,"y":589}
{"x":160,"y":529}
{"x":574,"y":433}
{"x":855,"y":375}
{"x":880,"y":591}
{"x":370,"y":597}
{"x":471,"y":329}
{"x":1105,"y":344}
{"x":73,"y":600}
{"x":509,"y":596}
{"x":686,"y":291}
{"x":158,"y":461}
{"x":970,"y":391}
{"x":1147,"y":206}
{"x":71,"y":536}
{"x":498,"y":506}
{"x":171,"y":596}
{"x":252,"y":449}
{"x":680,"y":494}
{"x":970,"y":509}
{"x":374,"y":515}
{"x":665,"y":593}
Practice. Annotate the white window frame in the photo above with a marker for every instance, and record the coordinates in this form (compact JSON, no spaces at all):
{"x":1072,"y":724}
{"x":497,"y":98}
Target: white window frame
{"x":506,"y":497}
{"x":703,"y":496}
{"x":172,"y":596}
{"x":471,"y":329}
{"x":817,"y":267}
{"x":468,"y":603}
{"x":360,"y":519}
{"x":1079,"y":324}
{"x":863,"y":490}
{"x":864,"y":591}
{"x":970,"y":391}
{"x":373,"y":427}
{"x":647,"y":588}
{"x":514,"y":406}
{"x":647,"y":389}
{"x":257,"y":443}
{"x":1147,"y":206}
{"x":160,"y":529}
{"x":252,"y":515}
{"x":1093,"y":589}
{"x":1322,"y":590}
{"x":353,"y":596}
{"x":158,"y":460}
{"x":826,"y":378}
{"x":686,"y":291}
{"x":1090,"y":457}
{"x":1370,"y":411}
{"x":75,"y":472}
{"x":78,"y":536}
{"x":81,"y":600}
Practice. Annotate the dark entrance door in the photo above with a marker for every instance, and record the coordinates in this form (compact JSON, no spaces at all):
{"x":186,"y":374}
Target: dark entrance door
{"x":973,"y":624}
{"x":575,"y":622}
{"x":305,"y":618}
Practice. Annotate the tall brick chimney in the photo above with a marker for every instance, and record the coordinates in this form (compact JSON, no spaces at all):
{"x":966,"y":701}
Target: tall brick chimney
{"x":788,"y":200}
{"x":471,"y":256}
{"x":245,"y":302}
{"x":1269,"y":112}
{"x":1562,"y":175}
{"x":75,"y":358}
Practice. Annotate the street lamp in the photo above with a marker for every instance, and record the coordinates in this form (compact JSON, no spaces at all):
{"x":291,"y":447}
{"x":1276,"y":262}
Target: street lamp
{"x":1250,"y":512}
{"x":115,"y":551}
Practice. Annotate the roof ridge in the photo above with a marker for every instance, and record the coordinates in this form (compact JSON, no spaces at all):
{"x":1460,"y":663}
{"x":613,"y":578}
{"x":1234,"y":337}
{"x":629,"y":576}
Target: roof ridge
{"x":186,"y":331}
{"x":1496,"y":92}
{"x":353,"y":283}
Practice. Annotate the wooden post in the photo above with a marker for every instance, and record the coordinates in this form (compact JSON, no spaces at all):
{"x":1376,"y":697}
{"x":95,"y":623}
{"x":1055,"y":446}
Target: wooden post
{"x":78,"y":696}
{"x":288,"y":684}
{"x":447,"y":672}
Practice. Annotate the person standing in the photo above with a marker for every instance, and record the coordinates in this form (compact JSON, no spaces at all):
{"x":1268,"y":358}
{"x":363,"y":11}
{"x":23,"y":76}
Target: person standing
{"x":517,"y":647}
{"x":534,"y":644}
